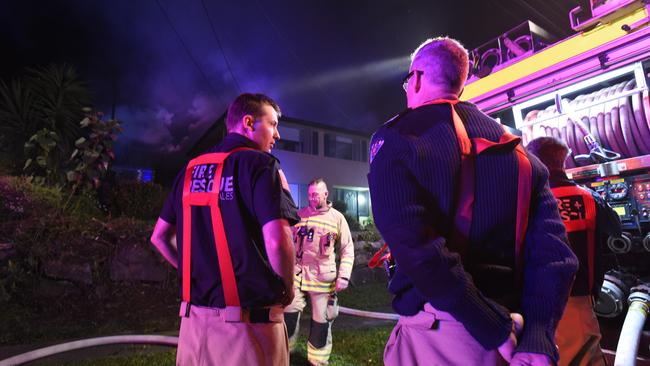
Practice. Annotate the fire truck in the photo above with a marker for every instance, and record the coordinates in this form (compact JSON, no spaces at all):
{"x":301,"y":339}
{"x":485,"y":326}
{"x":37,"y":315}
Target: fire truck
{"x":591,"y":91}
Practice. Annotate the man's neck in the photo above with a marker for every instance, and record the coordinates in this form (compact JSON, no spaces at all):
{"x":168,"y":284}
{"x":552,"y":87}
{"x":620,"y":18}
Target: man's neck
{"x":323,"y":208}
{"x":423,"y":98}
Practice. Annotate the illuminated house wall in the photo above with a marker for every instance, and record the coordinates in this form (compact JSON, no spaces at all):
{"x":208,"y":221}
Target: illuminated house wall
{"x":309,"y":150}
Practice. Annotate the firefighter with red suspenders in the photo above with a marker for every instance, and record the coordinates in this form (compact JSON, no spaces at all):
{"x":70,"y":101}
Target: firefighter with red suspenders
{"x":589,"y":222}
{"x":471,"y":224}
{"x":226,"y":227}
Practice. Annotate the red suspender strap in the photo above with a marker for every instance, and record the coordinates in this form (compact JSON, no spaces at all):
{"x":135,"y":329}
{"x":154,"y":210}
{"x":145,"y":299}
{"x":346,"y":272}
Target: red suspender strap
{"x":524,"y":189}
{"x":465,"y":195}
{"x":588,"y":223}
{"x":211,"y":199}
{"x":469,"y":149}
{"x":230,"y":293}
{"x":524,"y":192}
{"x":187,"y":234}
{"x":459,"y":237}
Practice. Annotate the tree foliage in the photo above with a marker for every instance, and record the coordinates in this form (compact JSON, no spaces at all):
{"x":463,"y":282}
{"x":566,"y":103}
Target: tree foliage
{"x":93,"y":153}
{"x":43,"y":157}
{"x":48,"y":98}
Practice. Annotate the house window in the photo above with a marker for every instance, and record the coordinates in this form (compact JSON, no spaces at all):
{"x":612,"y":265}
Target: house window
{"x":297,"y":139}
{"x":346,"y":147}
{"x":289,"y":139}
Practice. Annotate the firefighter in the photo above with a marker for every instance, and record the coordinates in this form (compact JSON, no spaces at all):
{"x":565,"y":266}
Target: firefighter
{"x":321,"y":232}
{"x":589,"y":222}
{"x":234,"y":254}
{"x":472,"y":226}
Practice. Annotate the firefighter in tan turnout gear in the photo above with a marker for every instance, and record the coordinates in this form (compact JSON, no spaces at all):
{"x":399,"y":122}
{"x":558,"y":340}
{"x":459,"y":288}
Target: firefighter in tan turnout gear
{"x":321,"y":233}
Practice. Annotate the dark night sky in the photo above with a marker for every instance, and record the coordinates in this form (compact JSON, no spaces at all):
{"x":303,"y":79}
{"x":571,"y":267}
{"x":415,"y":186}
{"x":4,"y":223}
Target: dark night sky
{"x":173,"y":66}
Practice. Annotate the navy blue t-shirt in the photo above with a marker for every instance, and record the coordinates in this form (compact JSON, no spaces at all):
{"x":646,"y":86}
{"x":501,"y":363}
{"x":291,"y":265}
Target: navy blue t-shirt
{"x":251,"y":195}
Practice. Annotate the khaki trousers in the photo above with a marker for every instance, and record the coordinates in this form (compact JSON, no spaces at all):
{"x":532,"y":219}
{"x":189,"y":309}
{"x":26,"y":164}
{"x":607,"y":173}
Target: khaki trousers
{"x":315,"y":355}
{"x":206,"y":339}
{"x":578,"y":334}
{"x":433,"y":337}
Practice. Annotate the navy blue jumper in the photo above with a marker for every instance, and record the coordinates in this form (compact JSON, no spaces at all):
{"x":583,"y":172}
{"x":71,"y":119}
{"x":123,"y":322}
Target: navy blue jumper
{"x":414,"y":169}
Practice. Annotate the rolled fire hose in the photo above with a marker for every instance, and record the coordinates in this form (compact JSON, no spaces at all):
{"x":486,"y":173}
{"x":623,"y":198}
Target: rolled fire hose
{"x":90,"y":342}
{"x":571,"y":139}
{"x":581,"y":148}
{"x":616,"y":125}
{"x":556,"y":132}
{"x":593,"y":120}
{"x":609,"y":109}
{"x":626,"y":126}
{"x":609,"y":130}
{"x":569,"y":163}
{"x":582,"y":123}
{"x":636,"y":131}
{"x":646,"y":107}
{"x":621,"y":125}
{"x":641,"y":122}
{"x":600,"y":120}
{"x":628,"y":342}
{"x":643,"y":137}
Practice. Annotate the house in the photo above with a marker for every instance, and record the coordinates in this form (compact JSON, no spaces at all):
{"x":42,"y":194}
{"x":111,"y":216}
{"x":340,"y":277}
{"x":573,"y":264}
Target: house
{"x":309,"y":150}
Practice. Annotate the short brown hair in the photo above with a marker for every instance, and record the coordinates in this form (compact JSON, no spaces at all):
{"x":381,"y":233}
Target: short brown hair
{"x":248,"y":103}
{"x":445,"y":61}
{"x":550,"y":150}
{"x":316,"y":181}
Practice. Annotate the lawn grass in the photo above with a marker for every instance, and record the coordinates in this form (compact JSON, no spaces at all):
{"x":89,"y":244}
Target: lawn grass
{"x":368,"y":296}
{"x":356,"y":341}
{"x":351,"y":348}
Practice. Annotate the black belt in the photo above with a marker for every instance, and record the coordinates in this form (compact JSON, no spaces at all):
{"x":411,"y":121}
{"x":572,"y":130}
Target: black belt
{"x":259,"y":315}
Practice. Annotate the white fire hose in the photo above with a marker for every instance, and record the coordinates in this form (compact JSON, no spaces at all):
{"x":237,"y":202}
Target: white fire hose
{"x":143,"y":339}
{"x":628,"y":342}
{"x":367,"y":314}
{"x":90,"y":342}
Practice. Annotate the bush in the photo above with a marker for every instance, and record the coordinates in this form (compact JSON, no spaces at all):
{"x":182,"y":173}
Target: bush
{"x":352,"y":222}
{"x":136,"y":199}
{"x":369,"y":235}
{"x":53,"y":198}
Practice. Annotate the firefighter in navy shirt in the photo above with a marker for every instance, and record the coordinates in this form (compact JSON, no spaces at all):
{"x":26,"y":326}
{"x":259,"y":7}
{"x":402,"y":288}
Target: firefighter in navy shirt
{"x":456,"y":310}
{"x":589,"y":221}
{"x":226,"y":227}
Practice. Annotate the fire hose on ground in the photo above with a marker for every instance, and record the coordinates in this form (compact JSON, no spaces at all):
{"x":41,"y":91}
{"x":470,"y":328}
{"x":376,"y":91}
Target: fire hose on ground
{"x":90,"y":342}
{"x":143,"y":339}
{"x":626,"y":350}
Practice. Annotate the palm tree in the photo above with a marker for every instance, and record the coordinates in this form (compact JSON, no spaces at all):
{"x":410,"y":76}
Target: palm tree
{"x":18,"y":117}
{"x":61,"y":97}
{"x":51,"y":97}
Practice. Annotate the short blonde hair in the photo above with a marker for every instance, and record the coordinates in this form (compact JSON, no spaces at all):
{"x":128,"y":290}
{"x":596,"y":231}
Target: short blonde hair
{"x":444,"y":61}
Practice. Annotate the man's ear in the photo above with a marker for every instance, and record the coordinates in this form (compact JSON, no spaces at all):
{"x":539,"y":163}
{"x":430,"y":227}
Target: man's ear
{"x":418,"y":82}
{"x":248,"y":123}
